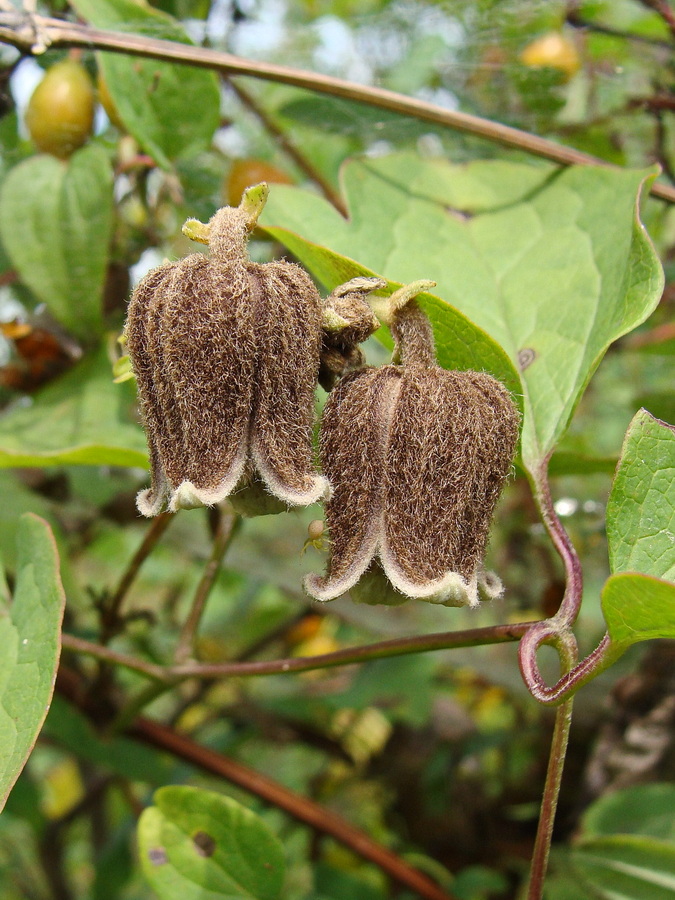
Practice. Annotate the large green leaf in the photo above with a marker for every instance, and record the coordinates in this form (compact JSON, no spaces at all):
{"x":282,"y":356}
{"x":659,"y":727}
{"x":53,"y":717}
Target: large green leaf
{"x":638,"y":608}
{"x":641,"y":507}
{"x":171,"y":110}
{"x":55,"y":224}
{"x":553,"y":265}
{"x":30,"y":629}
{"x":627,"y":867}
{"x":82,"y":418}
{"x":460,"y":343}
{"x":645,"y":809}
{"x":199,"y":845}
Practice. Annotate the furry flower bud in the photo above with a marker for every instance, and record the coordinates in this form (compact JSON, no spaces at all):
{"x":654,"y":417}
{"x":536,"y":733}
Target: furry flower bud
{"x":417,"y":456}
{"x":347,"y":321}
{"x":226,"y":355}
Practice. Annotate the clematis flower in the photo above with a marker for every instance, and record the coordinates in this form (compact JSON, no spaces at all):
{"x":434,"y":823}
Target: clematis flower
{"x":417,"y":456}
{"x":226,"y":354}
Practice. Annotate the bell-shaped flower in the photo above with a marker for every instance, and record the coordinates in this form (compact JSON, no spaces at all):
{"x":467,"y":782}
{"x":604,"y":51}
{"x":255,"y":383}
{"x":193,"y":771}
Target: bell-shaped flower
{"x":226,"y":354}
{"x":416,"y":456}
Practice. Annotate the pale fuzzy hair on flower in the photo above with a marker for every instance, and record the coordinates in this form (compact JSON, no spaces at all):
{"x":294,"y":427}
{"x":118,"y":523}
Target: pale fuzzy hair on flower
{"x":417,"y":456}
{"x":226,"y":354}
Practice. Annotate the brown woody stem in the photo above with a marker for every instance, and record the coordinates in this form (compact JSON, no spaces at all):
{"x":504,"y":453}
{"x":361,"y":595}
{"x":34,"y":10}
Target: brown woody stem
{"x":30,"y":34}
{"x":224,"y":533}
{"x":301,"y":808}
{"x":112,"y":609}
{"x":289,"y":148}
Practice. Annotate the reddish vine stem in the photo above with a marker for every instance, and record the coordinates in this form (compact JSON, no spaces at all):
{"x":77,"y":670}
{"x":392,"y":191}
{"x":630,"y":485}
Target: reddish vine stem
{"x":474,"y":637}
{"x":556,"y":630}
{"x":301,"y":808}
{"x":33,"y":33}
{"x":571,"y":602}
{"x":549,"y":803}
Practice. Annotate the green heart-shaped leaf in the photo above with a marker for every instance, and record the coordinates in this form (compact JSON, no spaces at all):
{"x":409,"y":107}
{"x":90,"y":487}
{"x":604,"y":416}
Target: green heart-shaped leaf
{"x":199,"y":845}
{"x":172,"y":110}
{"x":638,"y":608}
{"x":81,"y":418}
{"x":641,"y":506}
{"x":554,"y":265}
{"x":55,"y":224}
{"x":30,"y":628}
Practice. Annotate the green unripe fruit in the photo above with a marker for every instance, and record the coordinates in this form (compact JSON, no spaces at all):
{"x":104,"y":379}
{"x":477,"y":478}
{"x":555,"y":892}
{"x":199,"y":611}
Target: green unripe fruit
{"x":60,"y":114}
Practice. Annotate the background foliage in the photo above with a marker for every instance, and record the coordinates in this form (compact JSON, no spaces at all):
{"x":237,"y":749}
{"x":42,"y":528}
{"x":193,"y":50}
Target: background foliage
{"x":440,"y":757}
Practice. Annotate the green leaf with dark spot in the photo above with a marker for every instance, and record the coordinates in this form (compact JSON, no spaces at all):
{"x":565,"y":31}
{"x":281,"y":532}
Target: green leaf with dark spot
{"x":172,"y":110}
{"x":199,"y":845}
{"x":641,"y":506}
{"x":638,"y":608}
{"x":627,"y":867}
{"x":56,"y":225}
{"x":553,"y":264}
{"x":82,"y":418}
{"x":30,"y":628}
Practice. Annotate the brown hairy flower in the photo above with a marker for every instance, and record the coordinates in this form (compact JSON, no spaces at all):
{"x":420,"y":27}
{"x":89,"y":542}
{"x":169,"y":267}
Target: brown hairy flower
{"x":226,"y":356}
{"x":417,"y":456}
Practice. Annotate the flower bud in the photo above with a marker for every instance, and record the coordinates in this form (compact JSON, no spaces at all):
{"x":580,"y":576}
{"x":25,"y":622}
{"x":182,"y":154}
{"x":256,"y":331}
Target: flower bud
{"x":226,"y":355}
{"x":417,"y":456}
{"x":347,"y":321}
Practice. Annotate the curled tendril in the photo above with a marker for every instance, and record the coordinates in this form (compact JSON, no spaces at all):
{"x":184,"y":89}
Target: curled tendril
{"x":557,"y":631}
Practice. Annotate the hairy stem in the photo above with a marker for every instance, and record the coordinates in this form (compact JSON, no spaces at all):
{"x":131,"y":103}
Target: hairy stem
{"x":31,"y":34}
{"x":549,"y":803}
{"x":474,"y":637}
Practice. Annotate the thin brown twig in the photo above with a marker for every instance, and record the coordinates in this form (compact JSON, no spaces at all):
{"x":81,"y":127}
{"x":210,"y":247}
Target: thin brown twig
{"x":577,"y":21}
{"x":225,"y":531}
{"x":111,"y":610}
{"x":289,"y":148}
{"x":661,"y":143}
{"x":22,"y":31}
{"x":474,"y":637}
{"x":663,"y":9}
{"x":301,"y":808}
{"x":105,"y":654}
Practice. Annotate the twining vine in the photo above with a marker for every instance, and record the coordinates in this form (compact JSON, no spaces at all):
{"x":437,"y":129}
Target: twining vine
{"x":32,"y":34}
